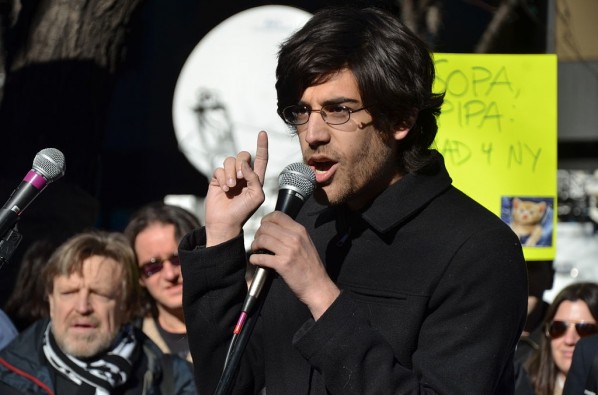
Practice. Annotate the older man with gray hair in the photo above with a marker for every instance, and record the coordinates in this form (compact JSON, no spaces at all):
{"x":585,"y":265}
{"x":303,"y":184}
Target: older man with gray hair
{"x":89,"y":346}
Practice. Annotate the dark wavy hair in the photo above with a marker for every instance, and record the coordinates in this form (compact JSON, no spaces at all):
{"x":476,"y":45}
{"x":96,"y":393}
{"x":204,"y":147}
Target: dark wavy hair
{"x":393,"y":67}
{"x":162,"y":213}
{"x":541,"y":367}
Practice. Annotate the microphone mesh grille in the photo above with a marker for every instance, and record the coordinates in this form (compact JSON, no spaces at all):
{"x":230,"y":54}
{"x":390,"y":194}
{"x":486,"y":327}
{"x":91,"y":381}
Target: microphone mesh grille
{"x":299,"y":177}
{"x":50,"y":163}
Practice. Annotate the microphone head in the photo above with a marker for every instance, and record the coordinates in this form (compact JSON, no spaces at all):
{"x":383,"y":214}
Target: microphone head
{"x":298,"y":177}
{"x":50,"y":163}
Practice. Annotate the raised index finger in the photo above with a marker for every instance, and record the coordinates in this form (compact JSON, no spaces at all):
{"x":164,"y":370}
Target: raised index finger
{"x":261,"y":156}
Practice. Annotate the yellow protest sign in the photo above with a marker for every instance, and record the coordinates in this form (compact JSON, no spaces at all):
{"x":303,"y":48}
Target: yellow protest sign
{"x":498,"y":135}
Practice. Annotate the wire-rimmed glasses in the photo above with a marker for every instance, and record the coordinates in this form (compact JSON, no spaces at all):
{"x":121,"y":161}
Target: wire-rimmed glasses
{"x":332,"y":114}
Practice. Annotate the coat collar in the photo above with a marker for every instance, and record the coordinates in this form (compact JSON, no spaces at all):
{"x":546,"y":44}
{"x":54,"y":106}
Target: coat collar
{"x":399,"y":202}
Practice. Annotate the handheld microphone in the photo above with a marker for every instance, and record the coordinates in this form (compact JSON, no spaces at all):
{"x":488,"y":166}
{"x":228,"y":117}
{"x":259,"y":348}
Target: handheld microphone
{"x":48,"y":166}
{"x":297,"y":182}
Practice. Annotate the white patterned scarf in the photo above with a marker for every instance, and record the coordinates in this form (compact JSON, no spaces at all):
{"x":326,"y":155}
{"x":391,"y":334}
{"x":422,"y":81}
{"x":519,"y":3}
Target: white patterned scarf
{"x":107,"y":371}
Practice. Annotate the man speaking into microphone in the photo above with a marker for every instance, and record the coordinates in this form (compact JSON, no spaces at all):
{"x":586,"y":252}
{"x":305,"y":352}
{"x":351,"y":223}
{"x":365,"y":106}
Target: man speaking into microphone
{"x":390,"y":280}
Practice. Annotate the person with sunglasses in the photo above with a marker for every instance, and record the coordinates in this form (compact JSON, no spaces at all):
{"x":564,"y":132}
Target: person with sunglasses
{"x":154,"y":232}
{"x":572,"y":315}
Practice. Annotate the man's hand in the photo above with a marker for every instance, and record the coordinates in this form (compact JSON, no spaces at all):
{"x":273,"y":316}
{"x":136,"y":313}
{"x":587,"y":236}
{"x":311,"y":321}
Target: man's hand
{"x":235,"y":193}
{"x":296,"y":260}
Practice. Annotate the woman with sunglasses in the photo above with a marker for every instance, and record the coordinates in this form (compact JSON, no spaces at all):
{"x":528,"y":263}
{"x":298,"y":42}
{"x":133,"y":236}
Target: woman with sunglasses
{"x":573,"y":314}
{"x":154,"y":231}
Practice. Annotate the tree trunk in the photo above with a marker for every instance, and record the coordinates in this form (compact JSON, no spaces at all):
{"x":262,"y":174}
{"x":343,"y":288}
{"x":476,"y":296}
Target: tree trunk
{"x":60,"y":62}
{"x":53,"y":30}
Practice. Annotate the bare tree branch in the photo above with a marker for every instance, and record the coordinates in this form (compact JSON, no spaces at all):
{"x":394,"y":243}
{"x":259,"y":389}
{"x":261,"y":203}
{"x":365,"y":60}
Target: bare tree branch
{"x":501,"y":17}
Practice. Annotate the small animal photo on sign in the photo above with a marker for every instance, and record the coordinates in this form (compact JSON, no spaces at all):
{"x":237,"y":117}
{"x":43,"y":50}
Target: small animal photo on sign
{"x":531,"y":218}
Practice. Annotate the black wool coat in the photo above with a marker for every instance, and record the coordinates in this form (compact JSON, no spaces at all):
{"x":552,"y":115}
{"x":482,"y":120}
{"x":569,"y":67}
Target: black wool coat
{"x":433,"y":300}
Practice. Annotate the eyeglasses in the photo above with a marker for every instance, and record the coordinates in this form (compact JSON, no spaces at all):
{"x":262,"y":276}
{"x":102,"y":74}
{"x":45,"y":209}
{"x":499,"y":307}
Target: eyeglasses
{"x":155,"y":265}
{"x":556,"y":329}
{"x":332,"y":114}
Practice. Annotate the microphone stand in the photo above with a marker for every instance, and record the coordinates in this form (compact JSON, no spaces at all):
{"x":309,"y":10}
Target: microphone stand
{"x":239,"y":344}
{"x":10,"y":237}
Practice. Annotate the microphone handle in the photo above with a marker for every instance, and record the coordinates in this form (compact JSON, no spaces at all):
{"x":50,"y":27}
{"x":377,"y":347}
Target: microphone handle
{"x":231,"y":368}
{"x":8,"y":219}
{"x":260,"y":278}
{"x":26,"y":192}
{"x":19,"y":200}
{"x":289,"y":202}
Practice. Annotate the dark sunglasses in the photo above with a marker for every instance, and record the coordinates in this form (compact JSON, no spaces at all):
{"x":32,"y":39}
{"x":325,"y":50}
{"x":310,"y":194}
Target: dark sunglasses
{"x":556,"y":329}
{"x":155,"y":265}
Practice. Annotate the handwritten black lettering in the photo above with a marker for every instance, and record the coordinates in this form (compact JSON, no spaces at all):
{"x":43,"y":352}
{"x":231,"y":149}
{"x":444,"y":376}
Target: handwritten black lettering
{"x":455,"y":151}
{"x":487,"y":150}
